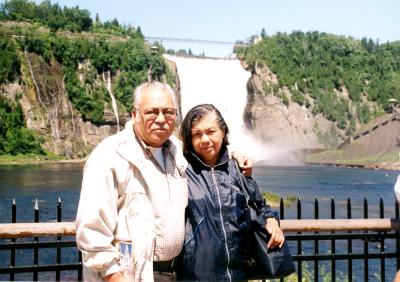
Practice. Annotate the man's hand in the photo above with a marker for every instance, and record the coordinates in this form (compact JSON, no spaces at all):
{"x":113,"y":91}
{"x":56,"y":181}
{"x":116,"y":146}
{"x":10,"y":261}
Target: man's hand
{"x":277,"y":237}
{"x":115,"y":277}
{"x":245,"y":163}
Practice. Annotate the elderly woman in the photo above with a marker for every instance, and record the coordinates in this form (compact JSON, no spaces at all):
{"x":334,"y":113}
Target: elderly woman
{"x":214,"y":247}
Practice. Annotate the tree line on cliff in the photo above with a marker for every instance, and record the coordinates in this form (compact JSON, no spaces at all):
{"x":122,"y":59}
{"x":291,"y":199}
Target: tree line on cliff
{"x":72,"y":39}
{"x":347,"y":80}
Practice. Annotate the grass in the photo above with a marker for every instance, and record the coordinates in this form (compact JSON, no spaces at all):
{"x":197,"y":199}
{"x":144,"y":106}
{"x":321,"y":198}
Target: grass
{"x":337,"y":157}
{"x":324,"y":157}
{"x":308,"y":273}
{"x":273,"y":199}
{"x":29,"y":159}
{"x":390,"y":157}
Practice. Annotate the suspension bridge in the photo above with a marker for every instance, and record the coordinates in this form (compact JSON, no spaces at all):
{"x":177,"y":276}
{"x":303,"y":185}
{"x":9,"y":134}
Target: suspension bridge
{"x":191,"y":40}
{"x":213,"y":48}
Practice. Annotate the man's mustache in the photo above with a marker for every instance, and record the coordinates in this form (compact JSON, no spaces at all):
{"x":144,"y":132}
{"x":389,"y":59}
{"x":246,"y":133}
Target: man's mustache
{"x":163,"y":127}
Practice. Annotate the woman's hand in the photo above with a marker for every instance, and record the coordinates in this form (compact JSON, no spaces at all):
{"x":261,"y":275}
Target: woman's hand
{"x":277,"y":237}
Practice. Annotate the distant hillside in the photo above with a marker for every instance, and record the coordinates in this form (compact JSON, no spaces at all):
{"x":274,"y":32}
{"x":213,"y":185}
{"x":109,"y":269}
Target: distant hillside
{"x":346,"y":80}
{"x":63,"y":69}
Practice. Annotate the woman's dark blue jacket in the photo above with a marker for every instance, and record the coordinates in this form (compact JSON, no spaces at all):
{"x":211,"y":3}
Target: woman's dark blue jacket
{"x":216,"y":222}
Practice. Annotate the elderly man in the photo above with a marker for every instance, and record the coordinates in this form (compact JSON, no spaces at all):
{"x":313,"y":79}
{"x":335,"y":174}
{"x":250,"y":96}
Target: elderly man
{"x":130,"y":218}
{"x":134,"y":193}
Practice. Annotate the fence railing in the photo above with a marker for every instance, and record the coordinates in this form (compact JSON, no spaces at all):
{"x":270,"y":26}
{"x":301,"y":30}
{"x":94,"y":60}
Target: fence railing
{"x":323,"y":249}
{"x":55,"y":247}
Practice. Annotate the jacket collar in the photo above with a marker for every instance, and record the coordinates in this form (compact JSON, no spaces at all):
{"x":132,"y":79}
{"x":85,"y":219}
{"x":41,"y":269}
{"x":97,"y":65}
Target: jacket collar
{"x":195,"y":160}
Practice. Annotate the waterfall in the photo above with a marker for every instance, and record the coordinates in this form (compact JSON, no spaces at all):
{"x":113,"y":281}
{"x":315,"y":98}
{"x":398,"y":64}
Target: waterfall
{"x":34,"y":81}
{"x":113,"y":101}
{"x":221,"y":82}
{"x":53,"y":112}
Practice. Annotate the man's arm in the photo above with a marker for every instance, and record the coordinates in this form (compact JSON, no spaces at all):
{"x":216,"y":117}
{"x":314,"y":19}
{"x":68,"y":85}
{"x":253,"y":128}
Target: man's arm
{"x":97,"y":219}
{"x":245,"y":163}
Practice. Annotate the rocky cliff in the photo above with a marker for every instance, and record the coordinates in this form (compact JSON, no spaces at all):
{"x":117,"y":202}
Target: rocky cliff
{"x":74,"y":88}
{"x":48,"y":111}
{"x":278,"y":124}
{"x":312,"y":138}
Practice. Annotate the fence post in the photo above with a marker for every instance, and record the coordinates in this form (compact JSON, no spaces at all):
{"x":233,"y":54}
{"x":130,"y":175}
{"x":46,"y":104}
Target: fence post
{"x":59,"y":210}
{"x":36,"y":241}
{"x":80,"y":275}
{"x":333,"y":243}
{"x":12,"y":255}
{"x":281,"y":216}
{"x":366,"y":243}
{"x":299,"y":262}
{"x":316,"y":251}
{"x":349,"y":244}
{"x":382,"y":215}
{"x":397,"y":213}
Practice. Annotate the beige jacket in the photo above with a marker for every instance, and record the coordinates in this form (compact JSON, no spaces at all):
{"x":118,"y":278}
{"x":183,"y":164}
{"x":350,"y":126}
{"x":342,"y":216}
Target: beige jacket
{"x":119,"y":202}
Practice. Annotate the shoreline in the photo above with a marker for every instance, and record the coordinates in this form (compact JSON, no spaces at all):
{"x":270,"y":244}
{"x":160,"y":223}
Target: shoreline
{"x":383,"y":166}
{"x":36,"y":161}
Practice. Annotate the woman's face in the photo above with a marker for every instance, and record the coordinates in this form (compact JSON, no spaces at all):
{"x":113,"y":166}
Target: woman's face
{"x":207,"y":139}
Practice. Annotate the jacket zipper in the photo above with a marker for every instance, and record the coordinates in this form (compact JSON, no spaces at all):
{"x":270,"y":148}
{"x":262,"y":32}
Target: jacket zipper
{"x":222,"y":223}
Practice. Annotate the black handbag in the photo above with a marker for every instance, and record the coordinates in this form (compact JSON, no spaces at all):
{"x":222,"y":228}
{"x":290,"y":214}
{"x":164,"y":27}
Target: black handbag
{"x":261,"y":262}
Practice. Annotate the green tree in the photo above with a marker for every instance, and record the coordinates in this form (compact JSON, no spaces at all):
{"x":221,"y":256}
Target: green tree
{"x":263,"y":34}
{"x":15,"y":138}
{"x":139,"y":32}
{"x":9,"y":61}
{"x":46,"y":13}
{"x":97,"y":20}
{"x":319,"y":63}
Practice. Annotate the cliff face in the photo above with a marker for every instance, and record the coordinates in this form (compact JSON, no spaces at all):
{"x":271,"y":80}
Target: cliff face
{"x":293,"y":130}
{"x":48,"y":111}
{"x":291,"y":126}
{"x":177,"y":87}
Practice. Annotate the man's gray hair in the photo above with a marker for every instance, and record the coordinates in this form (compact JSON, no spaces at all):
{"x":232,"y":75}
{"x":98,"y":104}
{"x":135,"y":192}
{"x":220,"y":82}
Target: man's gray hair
{"x":154,"y":85}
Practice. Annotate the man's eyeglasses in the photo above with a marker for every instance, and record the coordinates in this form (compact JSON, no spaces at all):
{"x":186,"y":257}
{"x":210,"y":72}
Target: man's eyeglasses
{"x":153,"y":113}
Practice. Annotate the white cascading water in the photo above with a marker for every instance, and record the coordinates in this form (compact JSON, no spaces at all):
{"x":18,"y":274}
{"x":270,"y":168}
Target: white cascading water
{"x":221,"y":82}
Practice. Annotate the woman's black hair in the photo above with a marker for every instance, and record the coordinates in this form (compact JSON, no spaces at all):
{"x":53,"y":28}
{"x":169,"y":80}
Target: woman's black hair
{"x":195,"y":114}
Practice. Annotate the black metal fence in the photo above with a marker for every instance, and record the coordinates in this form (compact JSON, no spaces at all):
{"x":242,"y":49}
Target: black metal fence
{"x":363,"y":256}
{"x":327,"y":256}
{"x":58,"y":255}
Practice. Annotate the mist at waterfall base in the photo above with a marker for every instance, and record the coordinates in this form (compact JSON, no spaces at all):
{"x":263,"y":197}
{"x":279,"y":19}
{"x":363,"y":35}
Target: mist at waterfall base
{"x":222,"y":82}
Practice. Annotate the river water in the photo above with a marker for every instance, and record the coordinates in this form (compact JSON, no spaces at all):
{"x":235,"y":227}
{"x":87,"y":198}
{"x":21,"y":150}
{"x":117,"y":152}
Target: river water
{"x":48,"y":182}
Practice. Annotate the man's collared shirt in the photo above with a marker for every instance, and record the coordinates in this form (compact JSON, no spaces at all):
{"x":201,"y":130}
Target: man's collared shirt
{"x":165,"y":202}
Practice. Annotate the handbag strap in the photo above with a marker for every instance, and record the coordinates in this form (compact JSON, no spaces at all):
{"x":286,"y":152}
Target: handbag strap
{"x":243,"y":186}
{"x":250,"y":201}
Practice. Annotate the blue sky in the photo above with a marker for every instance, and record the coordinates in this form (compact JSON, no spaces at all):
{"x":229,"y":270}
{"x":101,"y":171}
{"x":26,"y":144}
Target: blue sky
{"x":231,"y":20}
